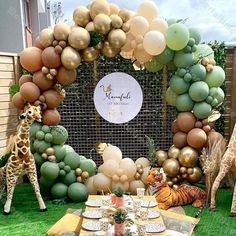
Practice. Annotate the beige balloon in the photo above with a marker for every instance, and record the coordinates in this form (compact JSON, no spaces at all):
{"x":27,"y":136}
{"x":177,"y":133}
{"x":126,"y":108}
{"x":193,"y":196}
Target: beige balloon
{"x":138,"y":25}
{"x":102,"y":23}
{"x":134,"y":185}
{"x":142,"y":56}
{"x":125,"y":15}
{"x":143,"y":161}
{"x":148,"y":9}
{"x":127,"y":47}
{"x":109,"y":51}
{"x":112,"y":153}
{"x":154,"y":42}
{"x":117,"y":38}
{"x":99,"y":7}
{"x":61,"y":31}
{"x":145,"y":174}
{"x":90,"y":54}
{"x":115,"y":178}
{"x":90,"y":186}
{"x":70,"y":58}
{"x":114,"y":9}
{"x":79,"y":38}
{"x":159,"y":25}
{"x":127,"y":55}
{"x":109,"y":167}
{"x":123,"y":178}
{"x":102,"y":182}
{"x":116,"y":21}
{"x":124,"y":186}
{"x":90,"y":26}
{"x":81,"y":16}
{"x":46,"y":37}
{"x":128,"y":167}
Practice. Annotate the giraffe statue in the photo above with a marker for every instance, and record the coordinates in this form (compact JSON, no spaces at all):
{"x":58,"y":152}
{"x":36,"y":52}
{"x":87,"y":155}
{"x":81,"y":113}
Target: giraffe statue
{"x":228,"y":164}
{"x":21,"y":160}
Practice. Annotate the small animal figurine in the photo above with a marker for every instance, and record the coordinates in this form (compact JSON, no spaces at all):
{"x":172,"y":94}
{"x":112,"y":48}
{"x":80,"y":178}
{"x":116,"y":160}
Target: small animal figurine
{"x":21,"y":160}
{"x":168,"y":197}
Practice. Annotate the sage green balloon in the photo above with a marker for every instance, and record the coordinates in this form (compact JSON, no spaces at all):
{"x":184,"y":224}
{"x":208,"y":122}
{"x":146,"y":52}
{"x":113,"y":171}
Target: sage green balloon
{"x":78,"y":192}
{"x":199,"y":91}
{"x":171,"y":21}
{"x":69,"y":178}
{"x":153,"y":66}
{"x":59,"y":190}
{"x":178,"y":85}
{"x":49,"y":170}
{"x":177,"y":36}
{"x":195,"y":33}
{"x":203,"y":50}
{"x":72,"y":159}
{"x":216,"y":77}
{"x":60,"y":152}
{"x":89,"y":166}
{"x":184,"y":102}
{"x":202,"y":110}
{"x":36,"y":126}
{"x":165,"y":57}
{"x":171,"y":97}
{"x":217,"y":93}
{"x":171,"y":66}
{"x":198,"y":72}
{"x":38,"y":159}
{"x":183,"y":59}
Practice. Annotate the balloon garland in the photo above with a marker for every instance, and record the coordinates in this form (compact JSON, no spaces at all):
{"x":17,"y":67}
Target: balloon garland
{"x":150,"y":42}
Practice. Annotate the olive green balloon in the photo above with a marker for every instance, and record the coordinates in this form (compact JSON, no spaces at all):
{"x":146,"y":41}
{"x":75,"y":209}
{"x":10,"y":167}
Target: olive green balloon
{"x":203,"y":50}
{"x":69,"y":178}
{"x":184,"y":102}
{"x":38,"y":159}
{"x":195,"y":33}
{"x":183,"y":59}
{"x":153,"y":66}
{"x":165,"y":57}
{"x":217,"y":93}
{"x":199,"y":91}
{"x":171,"y":97}
{"x":198,"y":72}
{"x":78,"y":192}
{"x":178,"y":85}
{"x":49,"y":170}
{"x":216,"y":77}
{"x":60,"y":152}
{"x":202,"y":110}
{"x":171,"y":21}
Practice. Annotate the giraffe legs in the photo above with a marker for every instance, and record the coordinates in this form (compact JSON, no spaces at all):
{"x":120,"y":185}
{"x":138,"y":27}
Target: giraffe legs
{"x":233,"y":207}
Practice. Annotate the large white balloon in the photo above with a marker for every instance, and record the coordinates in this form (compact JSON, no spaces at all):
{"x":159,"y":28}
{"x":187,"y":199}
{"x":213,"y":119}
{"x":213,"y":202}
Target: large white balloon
{"x":112,"y":153}
{"x":109,"y":167}
{"x":159,"y":25}
{"x":154,"y":42}
{"x":128,"y":167}
{"x":148,"y":9}
{"x":101,"y":182}
{"x":138,"y":25}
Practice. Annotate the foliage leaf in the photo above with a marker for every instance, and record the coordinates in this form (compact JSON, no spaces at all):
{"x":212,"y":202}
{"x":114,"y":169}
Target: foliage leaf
{"x":15,"y":88}
{"x":95,"y":38}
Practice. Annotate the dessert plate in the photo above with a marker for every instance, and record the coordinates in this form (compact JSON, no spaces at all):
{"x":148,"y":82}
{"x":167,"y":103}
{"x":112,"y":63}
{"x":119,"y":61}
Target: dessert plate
{"x":93,"y":214}
{"x":148,"y":204}
{"x":155,"y":228}
{"x":91,"y":225}
{"x":153,"y":214}
{"x":93,"y":203}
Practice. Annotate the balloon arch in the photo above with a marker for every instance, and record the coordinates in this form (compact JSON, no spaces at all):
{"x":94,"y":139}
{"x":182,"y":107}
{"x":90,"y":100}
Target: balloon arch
{"x":151,"y":43}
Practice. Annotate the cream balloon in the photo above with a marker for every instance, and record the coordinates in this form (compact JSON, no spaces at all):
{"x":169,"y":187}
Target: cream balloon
{"x":128,"y":166}
{"x":145,"y":174}
{"x":90,"y":186}
{"x":142,"y":56}
{"x":125,"y":15}
{"x":148,"y":9}
{"x":138,"y":25}
{"x":116,"y":185}
{"x":114,"y":9}
{"x":90,"y":26}
{"x":127,"y":47}
{"x":81,"y":16}
{"x":46,"y":37}
{"x":154,"y":43}
{"x":70,"y":58}
{"x":112,"y":153}
{"x":79,"y":38}
{"x":123,"y":178}
{"x":119,"y":172}
{"x":143,"y":161}
{"x":159,"y":25}
{"x":102,"y":182}
{"x":134,"y":185}
{"x":100,"y":168}
{"x":109,"y":167}
{"x":127,"y":55}
{"x":115,"y":178}
{"x":61,"y":31}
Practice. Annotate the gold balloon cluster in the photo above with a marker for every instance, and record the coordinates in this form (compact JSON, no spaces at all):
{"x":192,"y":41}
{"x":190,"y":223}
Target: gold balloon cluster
{"x":81,"y":176}
{"x":139,"y":172}
{"x":49,"y":155}
{"x":179,"y":164}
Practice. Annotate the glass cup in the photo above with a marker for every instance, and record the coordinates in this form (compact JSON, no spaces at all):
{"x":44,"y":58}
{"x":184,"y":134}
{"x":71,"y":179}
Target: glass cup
{"x":136,"y":205}
{"x":104,"y":210}
{"x":143,"y":214}
{"x":104,"y":224}
{"x":141,"y":229}
{"x":140,"y":192}
{"x":106,"y":201}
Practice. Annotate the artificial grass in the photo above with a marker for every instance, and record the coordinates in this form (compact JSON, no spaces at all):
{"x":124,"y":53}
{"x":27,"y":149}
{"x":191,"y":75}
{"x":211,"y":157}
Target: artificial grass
{"x":27,"y":220}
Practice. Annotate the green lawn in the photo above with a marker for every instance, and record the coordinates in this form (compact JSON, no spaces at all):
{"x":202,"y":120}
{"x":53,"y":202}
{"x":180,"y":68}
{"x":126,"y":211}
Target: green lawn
{"x":27,"y":220}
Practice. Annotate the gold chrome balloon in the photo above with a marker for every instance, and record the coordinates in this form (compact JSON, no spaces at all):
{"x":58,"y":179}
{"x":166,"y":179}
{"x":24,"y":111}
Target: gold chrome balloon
{"x":137,"y":176}
{"x":126,"y":27}
{"x":79,"y":38}
{"x":117,"y":38}
{"x":99,"y":46}
{"x":171,"y":167}
{"x":161,"y":156}
{"x":90,"y":54}
{"x":46,"y":37}
{"x":109,"y":51}
{"x":102,"y":23}
{"x":170,"y":183}
{"x":61,"y":31}
{"x":70,"y":58}
{"x":116,"y":21}
{"x":99,"y":7}
{"x":183,"y":170}
{"x":188,"y":157}
{"x":90,"y":26}
{"x":195,"y":176}
{"x":173,"y":152}
{"x":125,"y":15}
{"x":81,"y":16}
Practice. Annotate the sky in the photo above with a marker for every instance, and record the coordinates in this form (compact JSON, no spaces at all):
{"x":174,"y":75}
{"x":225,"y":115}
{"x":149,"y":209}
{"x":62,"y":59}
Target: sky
{"x":216,"y":19}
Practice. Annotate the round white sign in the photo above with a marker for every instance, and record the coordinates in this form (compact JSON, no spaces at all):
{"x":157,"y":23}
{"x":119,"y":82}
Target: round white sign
{"x":118,"y":97}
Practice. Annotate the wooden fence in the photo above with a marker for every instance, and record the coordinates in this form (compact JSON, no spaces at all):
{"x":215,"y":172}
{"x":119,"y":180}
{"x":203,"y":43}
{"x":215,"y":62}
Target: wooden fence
{"x":9,"y":74}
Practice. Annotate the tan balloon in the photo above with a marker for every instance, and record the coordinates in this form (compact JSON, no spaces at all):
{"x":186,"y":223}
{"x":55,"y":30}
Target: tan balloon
{"x":102,"y":23}
{"x":66,"y":77}
{"x":183,"y":170}
{"x":161,"y":156}
{"x":145,"y":174}
{"x":18,"y":101}
{"x":81,"y":16}
{"x":117,"y":38}
{"x":109,"y":167}
{"x":142,"y":56}
{"x":99,"y":7}
{"x":171,"y":167}
{"x":51,"y":117}
{"x":37,"y":43}
{"x":115,"y":178}
{"x":126,"y":26}
{"x":25,"y":78}
{"x":128,"y":166}
{"x":116,"y":21}
{"x":61,"y":31}
{"x":90,"y":26}
{"x":79,"y":38}
{"x":127,"y":47}
{"x":99,"y":46}
{"x":109,"y":51}
{"x":173,"y":152}
{"x":70,"y":58}
{"x":134,"y":185}
{"x":159,"y":25}
{"x":90,"y":54}
{"x":102,"y":182}
{"x":114,"y":9}
{"x":138,"y":25}
{"x":125,"y":15}
{"x":112,"y":153}
{"x":127,"y":55}
{"x":90,"y":186}
{"x":46,"y":37}
{"x":143,"y":161}
{"x":123,"y":178}
{"x":188,"y":157}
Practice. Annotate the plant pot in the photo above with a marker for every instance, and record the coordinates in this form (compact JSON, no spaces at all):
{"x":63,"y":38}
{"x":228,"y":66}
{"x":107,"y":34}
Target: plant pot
{"x":119,"y":229}
{"x":113,"y":199}
{"x":120,"y":201}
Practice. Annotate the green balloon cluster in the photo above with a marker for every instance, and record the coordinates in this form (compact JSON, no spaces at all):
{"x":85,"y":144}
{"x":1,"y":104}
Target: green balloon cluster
{"x":58,"y":163}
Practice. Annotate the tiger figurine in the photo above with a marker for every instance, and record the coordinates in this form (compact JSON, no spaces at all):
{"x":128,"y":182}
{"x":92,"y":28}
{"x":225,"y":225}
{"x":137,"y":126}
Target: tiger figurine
{"x":168,"y":197}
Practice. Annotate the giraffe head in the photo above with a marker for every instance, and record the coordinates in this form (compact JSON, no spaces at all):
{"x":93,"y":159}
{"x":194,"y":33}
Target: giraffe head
{"x":156,"y":177}
{"x":31,"y":113}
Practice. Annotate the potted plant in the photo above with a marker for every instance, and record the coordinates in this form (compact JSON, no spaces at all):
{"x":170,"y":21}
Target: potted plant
{"x":118,"y":197}
{"x":121,"y":219}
